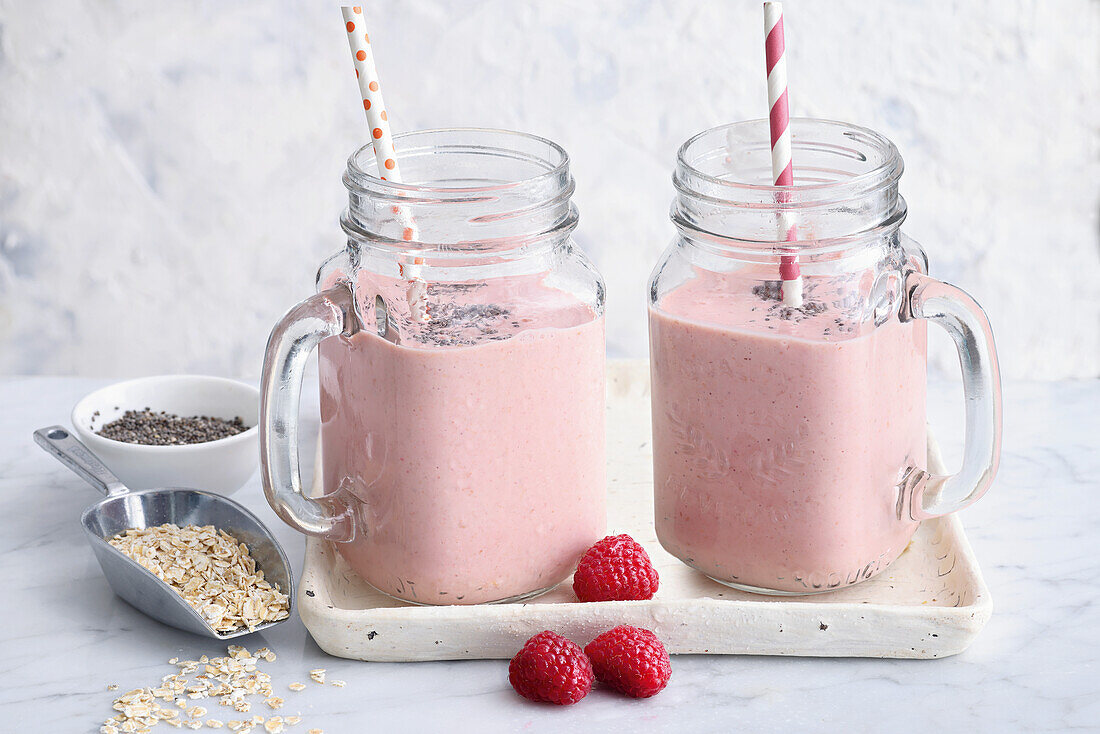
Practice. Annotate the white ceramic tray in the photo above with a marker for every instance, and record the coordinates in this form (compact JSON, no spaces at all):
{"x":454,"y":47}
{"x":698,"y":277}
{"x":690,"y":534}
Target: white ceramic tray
{"x":930,"y":603}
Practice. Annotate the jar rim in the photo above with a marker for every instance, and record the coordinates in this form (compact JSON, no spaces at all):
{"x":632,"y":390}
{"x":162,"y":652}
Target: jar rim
{"x":554,"y":166}
{"x":466,"y":189}
{"x":886,"y":172}
{"x":846,"y":185}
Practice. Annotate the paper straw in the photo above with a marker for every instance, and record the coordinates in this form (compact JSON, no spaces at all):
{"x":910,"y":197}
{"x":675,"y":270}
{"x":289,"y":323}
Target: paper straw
{"x":779,"y":118}
{"x":371,"y":91}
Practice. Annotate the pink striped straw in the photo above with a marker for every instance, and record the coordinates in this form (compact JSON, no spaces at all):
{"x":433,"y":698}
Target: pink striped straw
{"x":779,"y":118}
{"x":381,"y":137}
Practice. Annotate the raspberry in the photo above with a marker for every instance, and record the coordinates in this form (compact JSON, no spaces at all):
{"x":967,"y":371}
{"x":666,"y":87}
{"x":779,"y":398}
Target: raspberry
{"x":551,"y":668}
{"x":615,"y":569}
{"x":631,"y":660}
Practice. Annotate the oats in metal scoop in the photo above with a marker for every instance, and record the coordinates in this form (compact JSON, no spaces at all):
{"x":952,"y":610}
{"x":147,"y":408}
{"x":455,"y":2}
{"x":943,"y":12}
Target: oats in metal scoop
{"x":211,"y":570}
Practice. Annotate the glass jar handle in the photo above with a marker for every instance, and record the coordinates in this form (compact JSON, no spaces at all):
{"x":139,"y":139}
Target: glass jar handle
{"x":926,"y":495}
{"x":328,"y":313}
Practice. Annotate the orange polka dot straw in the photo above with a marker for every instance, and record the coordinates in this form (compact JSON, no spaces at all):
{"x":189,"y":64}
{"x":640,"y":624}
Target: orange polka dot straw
{"x":369,"y":88}
{"x":381,"y":137}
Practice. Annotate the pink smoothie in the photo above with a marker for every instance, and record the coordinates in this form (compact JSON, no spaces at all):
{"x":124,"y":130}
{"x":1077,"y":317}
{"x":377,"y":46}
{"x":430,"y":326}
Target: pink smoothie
{"x":779,"y":436}
{"x":478,"y":465}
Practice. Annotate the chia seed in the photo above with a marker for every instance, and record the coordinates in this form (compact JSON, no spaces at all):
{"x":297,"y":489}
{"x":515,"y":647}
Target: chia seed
{"x":454,"y":323}
{"x":149,"y":428}
{"x":769,"y":290}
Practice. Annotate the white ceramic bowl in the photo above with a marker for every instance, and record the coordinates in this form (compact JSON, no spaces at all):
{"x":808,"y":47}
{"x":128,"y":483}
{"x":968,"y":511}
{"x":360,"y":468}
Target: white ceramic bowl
{"x":221,"y":466}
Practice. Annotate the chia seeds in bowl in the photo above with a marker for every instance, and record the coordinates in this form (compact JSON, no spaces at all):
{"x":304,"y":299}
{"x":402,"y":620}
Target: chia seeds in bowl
{"x":149,"y":428}
{"x":195,"y":448}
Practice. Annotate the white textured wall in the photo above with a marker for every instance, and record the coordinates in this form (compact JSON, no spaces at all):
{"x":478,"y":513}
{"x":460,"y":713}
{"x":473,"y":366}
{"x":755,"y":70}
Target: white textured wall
{"x":170,"y":171}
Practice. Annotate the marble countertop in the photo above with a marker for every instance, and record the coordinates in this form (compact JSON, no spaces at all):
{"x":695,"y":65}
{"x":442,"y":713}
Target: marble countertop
{"x":65,"y":636}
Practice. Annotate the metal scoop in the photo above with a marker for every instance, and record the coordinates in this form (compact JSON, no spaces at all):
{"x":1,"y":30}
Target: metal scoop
{"x":124,"y":509}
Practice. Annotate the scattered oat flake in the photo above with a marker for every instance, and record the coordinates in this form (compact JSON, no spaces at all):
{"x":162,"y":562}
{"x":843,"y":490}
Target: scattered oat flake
{"x":315,"y":731}
{"x":337,"y":683}
{"x":230,"y":681}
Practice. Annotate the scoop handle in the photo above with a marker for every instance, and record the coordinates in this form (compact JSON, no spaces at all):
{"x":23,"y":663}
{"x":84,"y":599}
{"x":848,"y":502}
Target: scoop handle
{"x":60,"y":443}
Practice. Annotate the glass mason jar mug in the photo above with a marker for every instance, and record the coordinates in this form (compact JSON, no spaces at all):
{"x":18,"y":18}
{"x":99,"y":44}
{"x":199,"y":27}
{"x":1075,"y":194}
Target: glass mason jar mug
{"x":461,"y":361}
{"x":790,"y":442}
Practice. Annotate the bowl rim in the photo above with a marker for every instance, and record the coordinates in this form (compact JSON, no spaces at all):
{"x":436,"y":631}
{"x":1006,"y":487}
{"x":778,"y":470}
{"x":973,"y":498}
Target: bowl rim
{"x":86,"y":405}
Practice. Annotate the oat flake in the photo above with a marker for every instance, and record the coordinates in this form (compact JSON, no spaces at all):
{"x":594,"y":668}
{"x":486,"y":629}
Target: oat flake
{"x":227,"y":680}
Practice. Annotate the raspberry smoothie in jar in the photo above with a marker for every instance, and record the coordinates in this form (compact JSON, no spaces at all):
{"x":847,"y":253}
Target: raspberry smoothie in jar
{"x":462,"y":445}
{"x":790,"y":441}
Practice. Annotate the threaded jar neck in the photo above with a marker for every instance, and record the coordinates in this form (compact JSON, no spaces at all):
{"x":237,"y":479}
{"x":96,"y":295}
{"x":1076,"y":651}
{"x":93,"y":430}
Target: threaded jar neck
{"x":846,"y":187}
{"x":466,"y":193}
